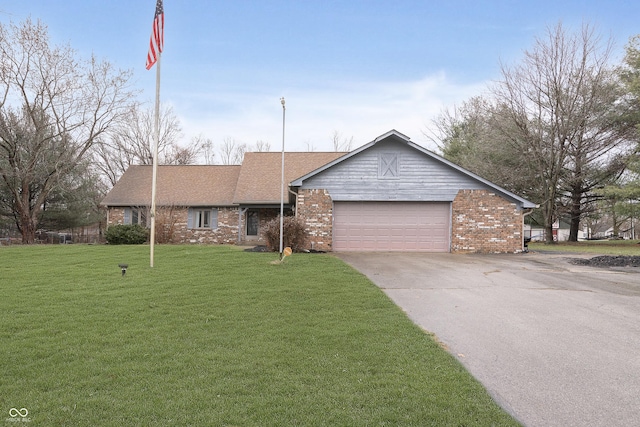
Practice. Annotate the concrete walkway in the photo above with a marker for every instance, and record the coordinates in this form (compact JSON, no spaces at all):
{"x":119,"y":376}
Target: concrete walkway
{"x":555,"y":344}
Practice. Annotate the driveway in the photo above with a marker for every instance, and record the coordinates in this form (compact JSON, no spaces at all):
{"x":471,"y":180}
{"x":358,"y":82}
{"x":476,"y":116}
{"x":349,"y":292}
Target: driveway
{"x":554,"y":343}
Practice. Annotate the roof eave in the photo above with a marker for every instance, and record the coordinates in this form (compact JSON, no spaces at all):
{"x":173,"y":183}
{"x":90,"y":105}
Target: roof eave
{"x":260,"y":202}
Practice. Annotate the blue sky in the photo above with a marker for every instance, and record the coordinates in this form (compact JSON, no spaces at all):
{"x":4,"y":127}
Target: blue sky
{"x":360,"y":68}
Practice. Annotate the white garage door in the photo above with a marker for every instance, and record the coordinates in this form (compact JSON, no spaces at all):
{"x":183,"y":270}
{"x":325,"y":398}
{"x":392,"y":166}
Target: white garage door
{"x":391,"y":226}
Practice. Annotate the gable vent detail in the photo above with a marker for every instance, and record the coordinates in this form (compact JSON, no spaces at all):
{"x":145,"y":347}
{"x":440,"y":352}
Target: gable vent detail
{"x":388,"y":167}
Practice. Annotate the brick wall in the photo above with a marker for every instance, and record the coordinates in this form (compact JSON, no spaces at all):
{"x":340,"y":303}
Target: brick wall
{"x":481,"y":222}
{"x":316,"y":207}
{"x":171,"y":226}
{"x":265,"y":216}
{"x":486,"y":223}
{"x":226,"y":233}
{"x":115,"y":216}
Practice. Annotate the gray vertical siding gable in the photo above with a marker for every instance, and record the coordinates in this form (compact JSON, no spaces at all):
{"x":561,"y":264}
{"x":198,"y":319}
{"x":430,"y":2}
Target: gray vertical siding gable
{"x":420,"y":177}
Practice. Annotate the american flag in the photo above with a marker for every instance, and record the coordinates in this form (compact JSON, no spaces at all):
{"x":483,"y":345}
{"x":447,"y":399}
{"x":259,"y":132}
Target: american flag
{"x":157,"y":36}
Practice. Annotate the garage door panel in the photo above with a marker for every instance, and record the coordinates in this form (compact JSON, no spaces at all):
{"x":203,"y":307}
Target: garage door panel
{"x":391,"y":226}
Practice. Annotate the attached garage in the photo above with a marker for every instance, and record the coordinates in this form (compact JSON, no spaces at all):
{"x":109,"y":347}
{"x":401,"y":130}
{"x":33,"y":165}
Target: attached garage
{"x":393,"y":195}
{"x":391,"y":226}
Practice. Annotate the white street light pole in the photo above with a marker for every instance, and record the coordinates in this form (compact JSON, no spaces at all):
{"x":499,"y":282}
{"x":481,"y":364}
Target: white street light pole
{"x":282,"y":182}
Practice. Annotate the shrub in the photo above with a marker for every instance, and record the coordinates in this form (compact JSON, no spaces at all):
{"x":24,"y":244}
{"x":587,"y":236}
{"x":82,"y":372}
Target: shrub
{"x":126,"y":234}
{"x":166,"y":220}
{"x":294,"y":234}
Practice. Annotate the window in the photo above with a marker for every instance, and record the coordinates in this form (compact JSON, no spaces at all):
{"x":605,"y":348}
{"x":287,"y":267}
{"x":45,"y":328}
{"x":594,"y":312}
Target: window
{"x":135,"y":216}
{"x":203,"y":218}
{"x":388,"y":166}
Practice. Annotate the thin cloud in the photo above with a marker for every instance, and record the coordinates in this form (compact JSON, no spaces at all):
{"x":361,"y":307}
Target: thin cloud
{"x":362,"y":110}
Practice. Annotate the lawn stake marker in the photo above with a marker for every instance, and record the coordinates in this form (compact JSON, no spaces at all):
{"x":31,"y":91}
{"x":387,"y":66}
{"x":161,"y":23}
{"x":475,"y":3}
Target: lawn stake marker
{"x":123,"y":267}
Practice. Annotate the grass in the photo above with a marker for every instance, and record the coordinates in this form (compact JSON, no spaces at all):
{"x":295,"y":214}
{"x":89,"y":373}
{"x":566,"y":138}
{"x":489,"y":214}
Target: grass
{"x":600,"y":247}
{"x":217,"y":336}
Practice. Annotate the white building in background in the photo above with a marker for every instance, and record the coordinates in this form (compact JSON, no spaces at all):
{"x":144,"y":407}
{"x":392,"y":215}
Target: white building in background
{"x":560,"y":232}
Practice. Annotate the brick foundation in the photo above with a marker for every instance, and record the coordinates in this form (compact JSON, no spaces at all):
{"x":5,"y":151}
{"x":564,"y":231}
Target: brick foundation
{"x":483,"y":222}
{"x":316,"y":207}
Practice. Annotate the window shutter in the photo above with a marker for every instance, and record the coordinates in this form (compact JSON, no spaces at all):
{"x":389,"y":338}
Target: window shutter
{"x":214,"y":218}
{"x":190,"y":218}
{"x":127,"y":215}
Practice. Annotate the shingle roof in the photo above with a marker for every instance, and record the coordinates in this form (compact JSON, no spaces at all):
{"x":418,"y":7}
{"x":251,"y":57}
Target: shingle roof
{"x":260,"y":176}
{"x":256,"y":181}
{"x":192,"y":185}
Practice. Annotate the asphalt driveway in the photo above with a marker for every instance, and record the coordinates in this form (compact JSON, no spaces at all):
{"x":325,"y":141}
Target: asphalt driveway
{"x":554,"y":343}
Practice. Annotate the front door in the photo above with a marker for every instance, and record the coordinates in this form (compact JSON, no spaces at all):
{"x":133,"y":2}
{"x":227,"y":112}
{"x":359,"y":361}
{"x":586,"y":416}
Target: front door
{"x":253,"y":220}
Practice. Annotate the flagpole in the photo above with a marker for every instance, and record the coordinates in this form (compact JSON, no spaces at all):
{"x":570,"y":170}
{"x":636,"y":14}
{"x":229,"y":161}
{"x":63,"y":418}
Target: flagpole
{"x":156,"y":142}
{"x":282,"y":183}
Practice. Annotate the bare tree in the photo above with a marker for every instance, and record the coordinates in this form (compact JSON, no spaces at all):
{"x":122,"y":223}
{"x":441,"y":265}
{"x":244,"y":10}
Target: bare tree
{"x":262,"y":146}
{"x":226,"y":150}
{"x":550,"y":129}
{"x":53,"y":109}
{"x":310,"y":147}
{"x":231,"y":151}
{"x":238,"y":155}
{"x":131,"y":143}
{"x":179,"y":155}
{"x":558,"y":107}
{"x":166,"y":223}
{"x":341,"y":143}
{"x":206,"y":147}
{"x":466,"y":136}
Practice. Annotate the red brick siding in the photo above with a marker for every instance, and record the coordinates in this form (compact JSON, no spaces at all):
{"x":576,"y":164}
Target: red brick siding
{"x":266,"y":215}
{"x":481,"y":222}
{"x":115,"y":216}
{"x":484,"y":222}
{"x":171,"y":226}
{"x":316,"y":207}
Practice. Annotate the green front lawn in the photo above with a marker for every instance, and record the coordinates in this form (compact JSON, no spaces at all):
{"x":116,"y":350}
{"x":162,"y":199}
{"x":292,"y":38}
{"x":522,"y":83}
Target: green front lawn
{"x":217,"y":336}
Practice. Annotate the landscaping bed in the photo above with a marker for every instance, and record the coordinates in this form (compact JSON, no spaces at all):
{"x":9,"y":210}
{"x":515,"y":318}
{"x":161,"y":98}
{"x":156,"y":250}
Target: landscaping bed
{"x":609,"y":261}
